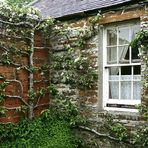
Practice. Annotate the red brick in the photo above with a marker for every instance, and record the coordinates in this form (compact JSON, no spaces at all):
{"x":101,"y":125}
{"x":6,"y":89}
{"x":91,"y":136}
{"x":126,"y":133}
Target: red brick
{"x":12,"y":102}
{"x":39,"y":42}
{"x":7,"y":71}
{"x":41,"y":53}
{"x":22,"y":75}
{"x":37,"y":76}
{"x":44,"y":99}
{"x":40,"y":109}
{"x":9,"y":119}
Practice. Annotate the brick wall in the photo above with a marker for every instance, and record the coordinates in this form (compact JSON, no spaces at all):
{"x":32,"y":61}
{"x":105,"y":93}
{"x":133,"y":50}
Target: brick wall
{"x":20,"y":77}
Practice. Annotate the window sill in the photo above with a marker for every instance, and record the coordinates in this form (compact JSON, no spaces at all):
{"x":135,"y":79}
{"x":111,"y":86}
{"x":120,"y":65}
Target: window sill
{"x":122,"y":110}
{"x":122,"y":115}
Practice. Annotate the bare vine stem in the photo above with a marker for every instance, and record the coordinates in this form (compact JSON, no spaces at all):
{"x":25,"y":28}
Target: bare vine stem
{"x":20,"y":97}
{"x":16,"y":37}
{"x":17,"y":24}
{"x":97,"y":133}
{"x":40,"y":105}
{"x":31,"y":83}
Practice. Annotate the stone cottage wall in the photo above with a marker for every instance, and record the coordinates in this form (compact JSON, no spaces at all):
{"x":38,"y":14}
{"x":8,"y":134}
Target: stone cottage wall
{"x":144,"y":67}
{"x":89,"y":101}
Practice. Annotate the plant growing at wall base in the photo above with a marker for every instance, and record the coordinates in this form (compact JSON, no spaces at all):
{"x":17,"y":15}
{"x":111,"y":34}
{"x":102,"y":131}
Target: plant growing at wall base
{"x":51,"y":129}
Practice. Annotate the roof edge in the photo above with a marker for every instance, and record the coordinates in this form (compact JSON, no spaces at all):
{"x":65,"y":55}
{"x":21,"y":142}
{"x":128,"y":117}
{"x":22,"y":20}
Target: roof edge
{"x":82,"y":13}
{"x":85,"y":12}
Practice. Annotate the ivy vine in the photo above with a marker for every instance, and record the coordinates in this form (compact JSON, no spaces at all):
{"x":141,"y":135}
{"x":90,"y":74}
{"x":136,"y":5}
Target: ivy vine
{"x":21,"y":24}
{"x":140,"y":42}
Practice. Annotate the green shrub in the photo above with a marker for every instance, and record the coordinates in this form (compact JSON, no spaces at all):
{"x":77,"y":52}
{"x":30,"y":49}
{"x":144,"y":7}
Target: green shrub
{"x":140,"y":138}
{"x":47,"y":131}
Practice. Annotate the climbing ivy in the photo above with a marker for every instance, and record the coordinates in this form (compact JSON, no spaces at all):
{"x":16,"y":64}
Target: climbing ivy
{"x":140,"y":42}
{"x":73,"y":66}
{"x":19,"y":2}
{"x":21,"y":24}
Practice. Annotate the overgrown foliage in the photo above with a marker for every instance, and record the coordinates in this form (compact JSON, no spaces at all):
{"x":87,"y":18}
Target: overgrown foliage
{"x":52,"y":129}
{"x":19,"y":2}
{"x":141,"y":42}
{"x":73,"y":66}
{"x":21,"y":24}
{"x":118,"y":130}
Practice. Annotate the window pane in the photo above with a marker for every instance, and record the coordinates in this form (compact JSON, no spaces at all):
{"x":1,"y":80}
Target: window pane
{"x":112,"y":55}
{"x":126,"y":70}
{"x":111,"y":36}
{"x":136,"y":90}
{"x":125,"y":90}
{"x":137,"y":77}
{"x":137,"y":70}
{"x":126,"y":78}
{"x":113,"y":90}
{"x":134,"y":30}
{"x":123,"y":54}
{"x":135,"y":52}
{"x":114,"y":78}
{"x":135,"y":55}
{"x":123,"y":36}
{"x":114,"y":71}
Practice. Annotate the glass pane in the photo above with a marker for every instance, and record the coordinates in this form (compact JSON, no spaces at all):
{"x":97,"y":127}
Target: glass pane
{"x":111,"y":55}
{"x":123,"y":36}
{"x":123,"y":54}
{"x":114,"y":77}
{"x":135,"y":55}
{"x":126,"y":70}
{"x":114,"y":71}
{"x":136,"y":90}
{"x":135,"y":51}
{"x":137,"y":77}
{"x":125,"y":90}
{"x":126,"y":78}
{"x":114,"y":90}
{"x":137,"y":70}
{"x":112,"y":36}
{"x":134,"y":30}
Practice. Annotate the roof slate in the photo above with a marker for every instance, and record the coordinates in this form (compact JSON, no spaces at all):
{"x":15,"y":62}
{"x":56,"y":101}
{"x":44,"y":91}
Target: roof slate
{"x":60,"y":8}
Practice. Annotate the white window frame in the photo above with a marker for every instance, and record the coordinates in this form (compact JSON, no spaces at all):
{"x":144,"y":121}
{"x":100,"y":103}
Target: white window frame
{"x":106,"y":75}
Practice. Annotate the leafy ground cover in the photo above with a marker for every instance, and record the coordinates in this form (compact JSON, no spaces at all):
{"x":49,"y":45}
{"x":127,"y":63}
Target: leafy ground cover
{"x":48,"y":131}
